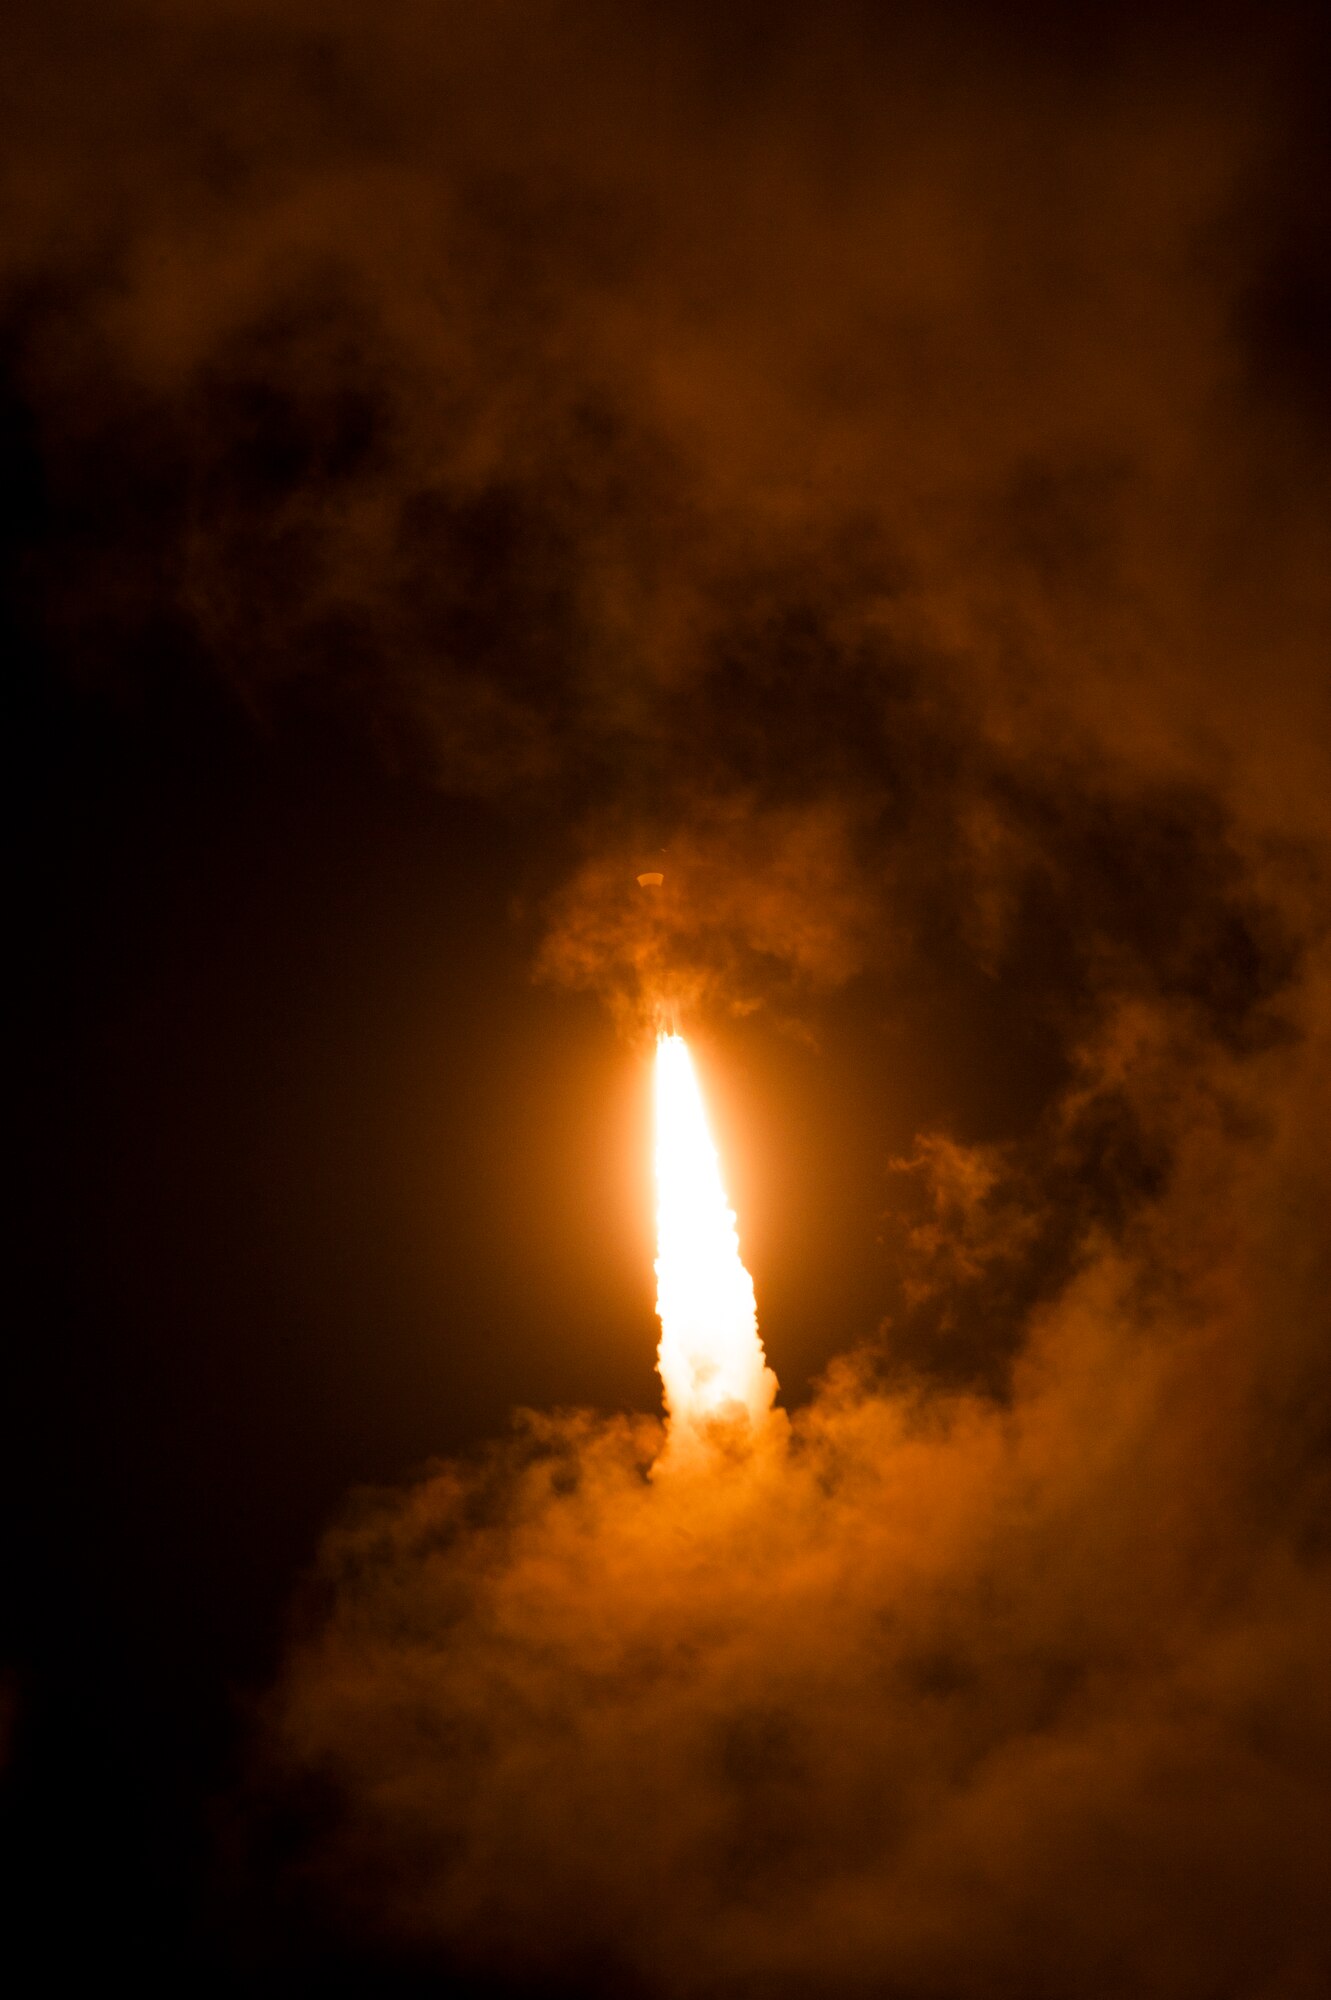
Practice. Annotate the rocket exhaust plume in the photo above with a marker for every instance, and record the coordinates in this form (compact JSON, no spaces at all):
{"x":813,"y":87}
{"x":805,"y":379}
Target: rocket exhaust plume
{"x":717,"y":1383}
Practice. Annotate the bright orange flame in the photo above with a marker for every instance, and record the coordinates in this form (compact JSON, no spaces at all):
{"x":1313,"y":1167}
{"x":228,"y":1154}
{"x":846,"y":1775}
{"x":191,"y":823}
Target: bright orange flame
{"x":711,"y":1358}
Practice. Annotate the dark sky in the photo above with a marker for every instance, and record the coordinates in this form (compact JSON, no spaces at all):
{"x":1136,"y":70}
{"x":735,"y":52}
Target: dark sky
{"x":874,"y":469}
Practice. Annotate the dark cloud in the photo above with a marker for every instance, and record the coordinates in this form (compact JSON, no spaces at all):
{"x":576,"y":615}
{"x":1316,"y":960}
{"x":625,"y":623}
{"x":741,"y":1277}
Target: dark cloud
{"x":532,"y":382}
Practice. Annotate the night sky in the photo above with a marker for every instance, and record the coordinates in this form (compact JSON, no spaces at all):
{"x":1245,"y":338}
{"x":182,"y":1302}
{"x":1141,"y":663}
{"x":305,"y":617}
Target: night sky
{"x":871,"y":465}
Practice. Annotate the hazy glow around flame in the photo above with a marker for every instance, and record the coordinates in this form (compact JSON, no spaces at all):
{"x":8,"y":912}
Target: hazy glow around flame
{"x":711,"y":1358}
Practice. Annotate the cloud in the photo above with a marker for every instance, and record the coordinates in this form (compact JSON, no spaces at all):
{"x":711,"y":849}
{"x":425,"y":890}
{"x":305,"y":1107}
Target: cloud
{"x":520,"y":379}
{"x":877,"y":471}
{"x":943,"y":1694}
{"x":866,"y":460}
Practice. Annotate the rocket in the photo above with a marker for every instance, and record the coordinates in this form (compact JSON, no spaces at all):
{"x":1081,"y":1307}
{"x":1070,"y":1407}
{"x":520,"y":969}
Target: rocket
{"x":667,"y":1014}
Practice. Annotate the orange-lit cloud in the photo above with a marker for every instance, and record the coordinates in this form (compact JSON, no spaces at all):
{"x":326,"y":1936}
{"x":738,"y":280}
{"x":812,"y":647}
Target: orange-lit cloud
{"x":877,"y":473}
{"x":958,"y":1696}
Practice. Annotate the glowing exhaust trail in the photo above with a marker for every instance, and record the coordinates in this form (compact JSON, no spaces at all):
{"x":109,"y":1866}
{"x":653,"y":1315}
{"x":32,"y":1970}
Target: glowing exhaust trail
{"x":711,"y":1357}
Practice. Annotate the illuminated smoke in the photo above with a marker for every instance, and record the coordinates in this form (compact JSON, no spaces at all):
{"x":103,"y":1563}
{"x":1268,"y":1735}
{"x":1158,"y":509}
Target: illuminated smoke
{"x":953,"y":1696}
{"x":711,"y":1357}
